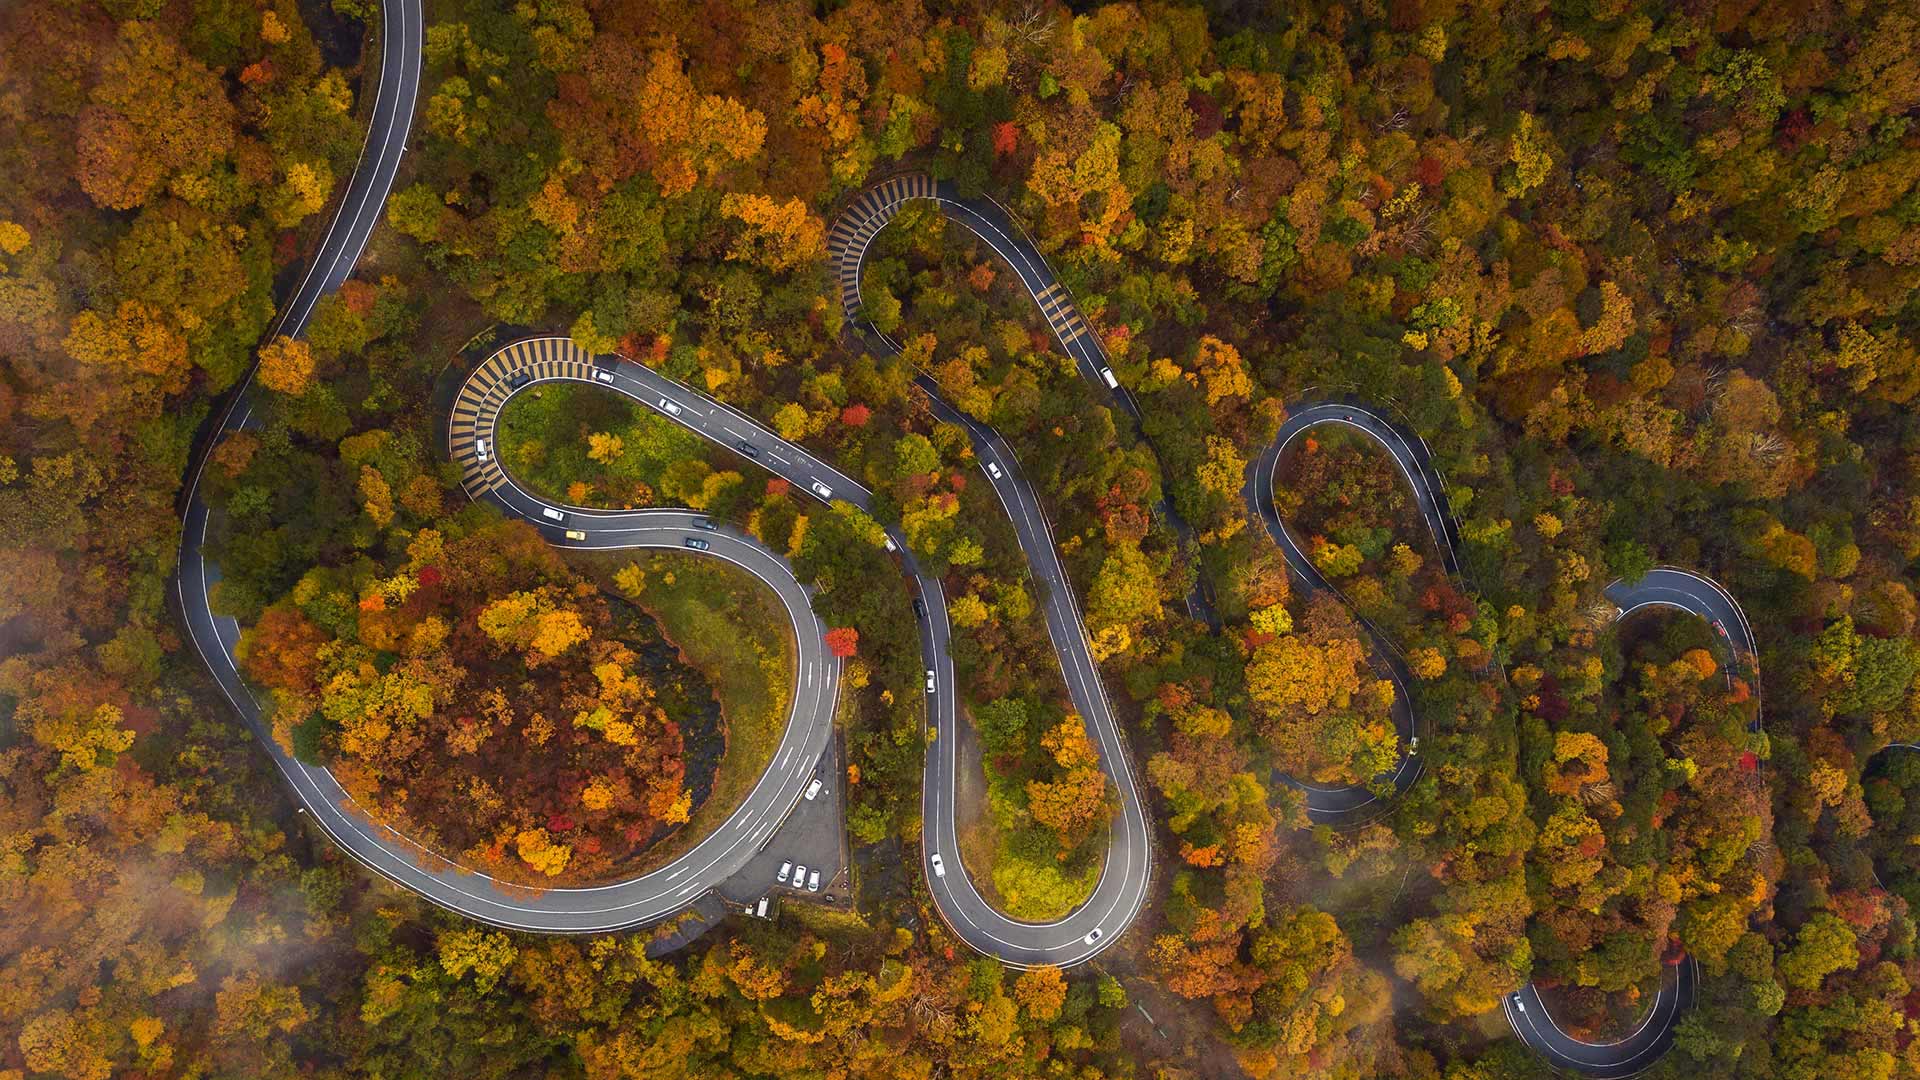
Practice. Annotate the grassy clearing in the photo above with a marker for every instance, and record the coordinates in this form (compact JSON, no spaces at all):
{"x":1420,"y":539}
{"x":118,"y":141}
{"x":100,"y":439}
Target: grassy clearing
{"x":547,"y":440}
{"x":734,"y":630}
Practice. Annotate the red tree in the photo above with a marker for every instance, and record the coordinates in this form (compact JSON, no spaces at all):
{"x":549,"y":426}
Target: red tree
{"x":843,"y":641}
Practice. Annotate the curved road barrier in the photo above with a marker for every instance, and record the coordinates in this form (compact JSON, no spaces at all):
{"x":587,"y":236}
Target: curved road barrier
{"x":1664,"y":587}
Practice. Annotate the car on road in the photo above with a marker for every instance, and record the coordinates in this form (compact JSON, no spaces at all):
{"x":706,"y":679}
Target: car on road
{"x":1106,"y":373}
{"x":919,"y":607}
{"x":602,"y":375}
{"x":576,"y":534}
{"x":519,"y":380}
{"x":1093,"y":937}
{"x":799,"y":875}
{"x":1413,"y":746}
{"x":993,"y":470}
{"x":939,"y":865}
{"x":1721,"y":629}
{"x":671,"y":408}
{"x":748,"y":449}
{"x":696,"y":543}
{"x":822,"y":490}
{"x":551,"y":514}
{"x":929,"y":680}
{"x":481,"y":449}
{"x":786,"y":871}
{"x":1518,"y":1004}
{"x":707,"y":524}
{"x":813,"y":789}
{"x":891,"y":546}
{"x":813,"y":881}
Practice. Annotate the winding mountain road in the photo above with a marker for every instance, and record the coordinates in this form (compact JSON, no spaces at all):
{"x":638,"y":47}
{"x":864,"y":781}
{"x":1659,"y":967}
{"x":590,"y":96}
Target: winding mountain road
{"x":1121,"y":892}
{"x":1663,"y":587}
{"x":1122,"y":889}
{"x":382,"y":850}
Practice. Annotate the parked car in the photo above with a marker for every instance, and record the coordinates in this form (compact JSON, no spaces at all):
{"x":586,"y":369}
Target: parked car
{"x":799,"y":875}
{"x":813,"y":789}
{"x":786,"y":871}
{"x":813,"y":881}
{"x":939,"y":865}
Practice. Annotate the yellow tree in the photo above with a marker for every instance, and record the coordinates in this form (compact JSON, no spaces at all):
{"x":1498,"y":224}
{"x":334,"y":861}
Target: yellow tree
{"x":1221,"y":370}
{"x":778,"y":236}
{"x":286,"y":365}
{"x":1042,"y":991}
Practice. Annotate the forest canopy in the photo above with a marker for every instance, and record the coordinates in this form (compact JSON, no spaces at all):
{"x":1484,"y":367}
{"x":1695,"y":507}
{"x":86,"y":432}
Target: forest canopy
{"x":1640,"y":277}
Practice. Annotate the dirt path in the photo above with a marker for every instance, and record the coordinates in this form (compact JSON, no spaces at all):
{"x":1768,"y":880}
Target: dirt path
{"x":1163,"y":1027}
{"x":978,"y":837}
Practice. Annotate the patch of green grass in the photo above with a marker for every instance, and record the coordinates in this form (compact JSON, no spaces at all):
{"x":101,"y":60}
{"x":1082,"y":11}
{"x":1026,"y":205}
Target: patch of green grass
{"x":731,"y":627}
{"x":546,"y":440}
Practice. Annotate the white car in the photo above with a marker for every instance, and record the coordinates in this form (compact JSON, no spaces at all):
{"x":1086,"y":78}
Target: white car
{"x":813,"y":789}
{"x":993,"y":470}
{"x":822,"y":490}
{"x":551,"y":514}
{"x":929,"y":680}
{"x":799,"y":876}
{"x":1518,"y":1004}
{"x":1413,"y":746}
{"x":671,"y":408}
{"x":786,"y":871}
{"x":602,"y":375}
{"x":939,"y":865}
{"x":480,"y":449}
{"x":1095,"y":936}
{"x":813,"y":881}
{"x":1106,"y":373}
